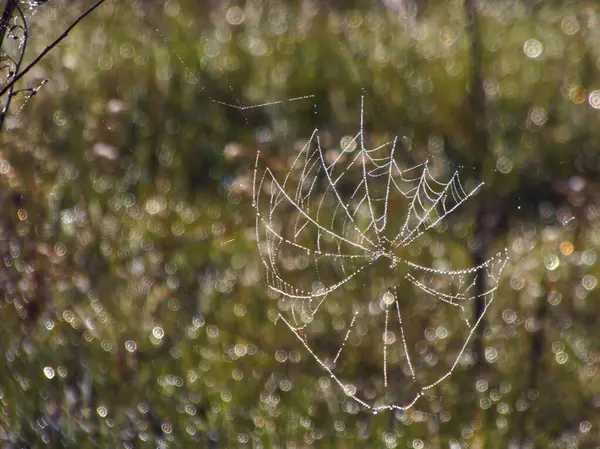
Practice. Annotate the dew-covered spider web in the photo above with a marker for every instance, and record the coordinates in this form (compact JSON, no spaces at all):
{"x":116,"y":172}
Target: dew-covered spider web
{"x":335,"y":231}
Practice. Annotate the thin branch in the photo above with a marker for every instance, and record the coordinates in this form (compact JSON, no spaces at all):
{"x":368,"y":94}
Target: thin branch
{"x":6,"y":15}
{"x":17,"y":67}
{"x":50,"y":47}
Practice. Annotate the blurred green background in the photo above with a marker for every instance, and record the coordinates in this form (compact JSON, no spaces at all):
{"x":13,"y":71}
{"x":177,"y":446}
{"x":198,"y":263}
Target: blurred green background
{"x":134,"y":310}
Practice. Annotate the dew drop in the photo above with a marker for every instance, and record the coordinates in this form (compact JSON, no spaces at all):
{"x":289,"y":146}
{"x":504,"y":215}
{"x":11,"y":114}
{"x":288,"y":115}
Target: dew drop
{"x":594,"y":99}
{"x":318,"y":289}
{"x":49,"y":372}
{"x":198,"y":321}
{"x":350,"y":390}
{"x":388,"y":337}
{"x":388,"y":299}
{"x":551,"y":262}
{"x":481,"y":385}
{"x":588,"y":282}
{"x":281,"y":356}
{"x":561,"y":358}
{"x":532,"y":48}
{"x":158,"y":332}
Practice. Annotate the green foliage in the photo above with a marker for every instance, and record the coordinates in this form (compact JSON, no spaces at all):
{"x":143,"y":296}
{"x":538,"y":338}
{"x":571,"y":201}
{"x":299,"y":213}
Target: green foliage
{"x":133,"y":310}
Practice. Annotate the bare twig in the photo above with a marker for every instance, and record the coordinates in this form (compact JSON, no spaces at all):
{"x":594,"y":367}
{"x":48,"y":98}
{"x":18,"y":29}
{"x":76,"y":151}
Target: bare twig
{"x":59,"y":39}
{"x":6,"y":15}
{"x":17,"y":67}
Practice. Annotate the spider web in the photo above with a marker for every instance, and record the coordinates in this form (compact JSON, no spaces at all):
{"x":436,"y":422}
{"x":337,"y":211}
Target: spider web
{"x":331,"y":229}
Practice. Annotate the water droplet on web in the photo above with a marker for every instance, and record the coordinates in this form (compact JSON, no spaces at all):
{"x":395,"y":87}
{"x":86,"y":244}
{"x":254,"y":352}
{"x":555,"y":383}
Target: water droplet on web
{"x":345,"y":233}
